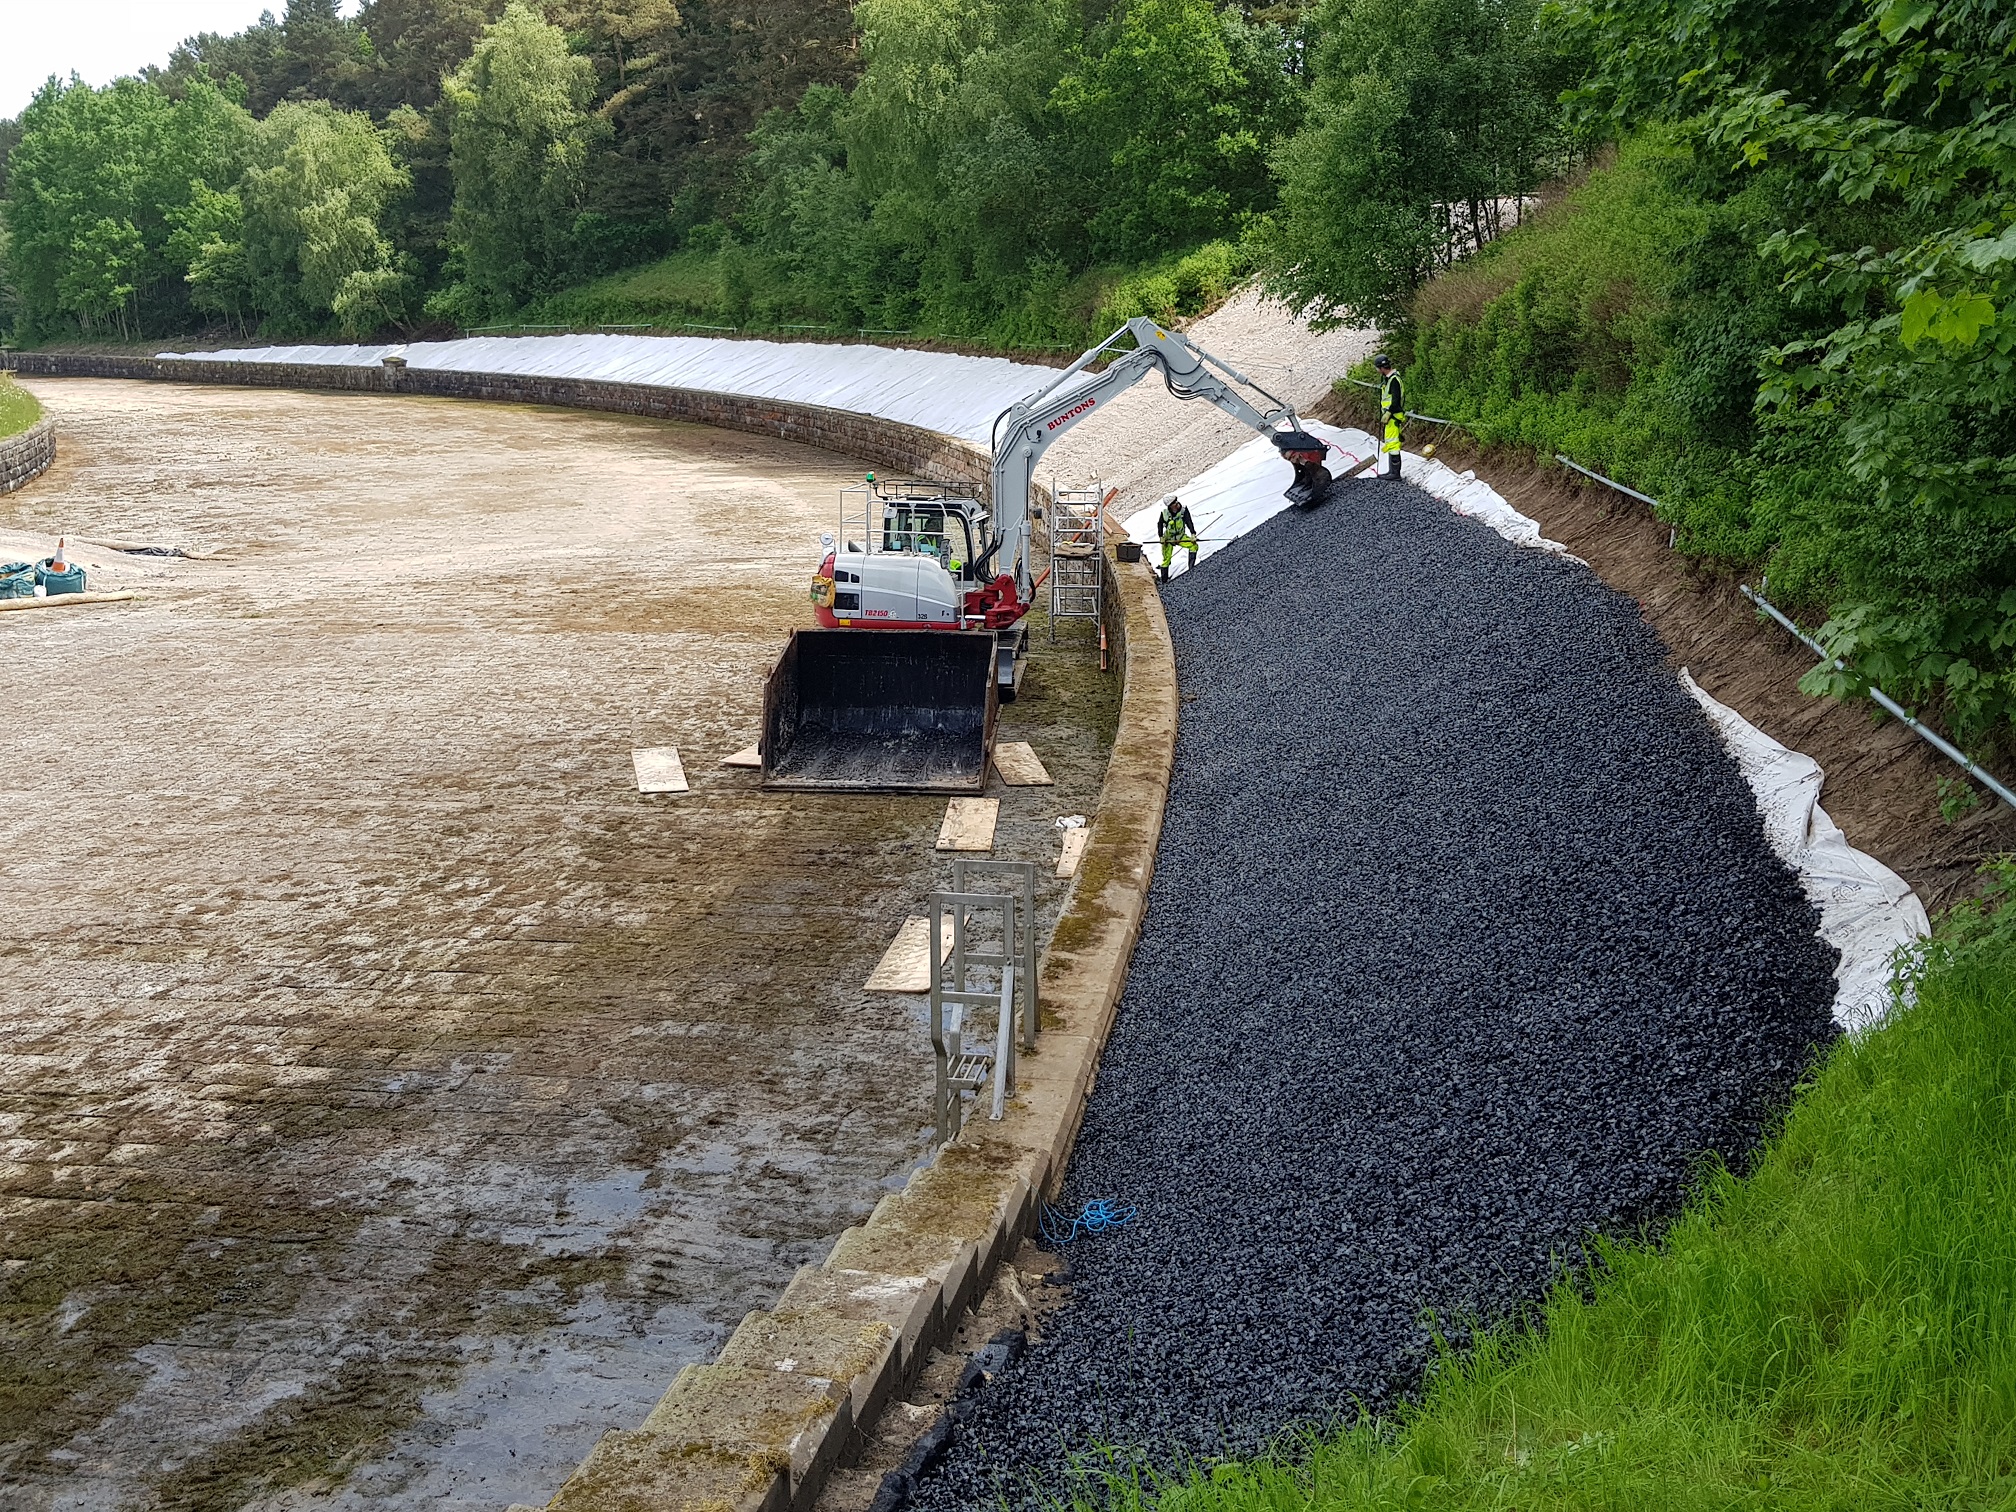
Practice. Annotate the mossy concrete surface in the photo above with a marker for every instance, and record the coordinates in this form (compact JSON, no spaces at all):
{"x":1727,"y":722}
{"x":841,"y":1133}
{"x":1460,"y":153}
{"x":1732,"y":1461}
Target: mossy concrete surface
{"x":759,"y":1431}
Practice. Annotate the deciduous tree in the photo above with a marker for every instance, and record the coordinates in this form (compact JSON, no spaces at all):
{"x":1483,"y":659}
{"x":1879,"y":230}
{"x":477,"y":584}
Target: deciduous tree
{"x":520,"y":133}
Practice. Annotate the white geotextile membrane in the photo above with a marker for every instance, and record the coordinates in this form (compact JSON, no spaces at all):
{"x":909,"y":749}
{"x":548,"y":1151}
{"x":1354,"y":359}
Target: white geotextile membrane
{"x":1249,"y":486}
{"x":1867,"y":911}
{"x":1228,"y":500}
{"x":941,"y":391}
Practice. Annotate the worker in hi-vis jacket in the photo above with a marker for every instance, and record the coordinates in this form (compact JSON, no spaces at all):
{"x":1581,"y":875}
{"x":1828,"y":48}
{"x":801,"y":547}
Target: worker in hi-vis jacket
{"x":1178,"y":531}
{"x":1392,"y":410}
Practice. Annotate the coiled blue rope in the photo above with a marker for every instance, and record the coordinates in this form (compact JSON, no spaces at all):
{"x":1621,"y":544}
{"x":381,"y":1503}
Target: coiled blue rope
{"x":1097,"y":1216}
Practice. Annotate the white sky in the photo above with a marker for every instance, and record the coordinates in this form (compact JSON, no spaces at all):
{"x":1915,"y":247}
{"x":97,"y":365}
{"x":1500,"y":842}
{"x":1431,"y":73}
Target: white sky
{"x":102,"y":39}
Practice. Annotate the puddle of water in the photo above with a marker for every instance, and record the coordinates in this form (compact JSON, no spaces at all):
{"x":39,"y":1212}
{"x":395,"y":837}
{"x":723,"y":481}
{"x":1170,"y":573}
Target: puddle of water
{"x":524,"y":1410}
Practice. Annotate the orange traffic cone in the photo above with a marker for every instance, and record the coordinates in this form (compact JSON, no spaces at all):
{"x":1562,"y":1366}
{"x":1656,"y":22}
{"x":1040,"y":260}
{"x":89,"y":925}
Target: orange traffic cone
{"x":56,"y":563}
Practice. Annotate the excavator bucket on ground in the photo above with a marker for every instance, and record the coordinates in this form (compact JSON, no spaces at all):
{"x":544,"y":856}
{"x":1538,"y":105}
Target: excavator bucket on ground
{"x":880,"y":711}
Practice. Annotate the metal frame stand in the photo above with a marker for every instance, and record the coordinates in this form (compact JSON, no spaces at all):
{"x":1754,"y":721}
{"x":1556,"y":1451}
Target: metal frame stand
{"x":973,"y":976}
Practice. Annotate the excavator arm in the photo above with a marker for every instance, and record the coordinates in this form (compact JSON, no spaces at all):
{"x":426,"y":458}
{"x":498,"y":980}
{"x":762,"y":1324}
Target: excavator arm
{"x":1027,"y":429}
{"x":912,"y":709}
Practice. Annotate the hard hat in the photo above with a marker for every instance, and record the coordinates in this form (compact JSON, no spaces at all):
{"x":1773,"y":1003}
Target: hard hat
{"x":1382,"y":361}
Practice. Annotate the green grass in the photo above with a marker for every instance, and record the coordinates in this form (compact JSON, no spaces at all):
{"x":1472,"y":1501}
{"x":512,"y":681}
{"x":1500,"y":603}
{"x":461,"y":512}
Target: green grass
{"x":684,"y":287}
{"x":18,"y":408}
{"x":1835,"y":1330}
{"x":1614,"y":328}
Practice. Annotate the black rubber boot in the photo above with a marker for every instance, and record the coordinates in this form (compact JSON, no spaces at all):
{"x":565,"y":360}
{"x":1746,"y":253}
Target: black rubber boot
{"x":1163,"y":572}
{"x":1193,"y":561}
{"x":1393,"y":468}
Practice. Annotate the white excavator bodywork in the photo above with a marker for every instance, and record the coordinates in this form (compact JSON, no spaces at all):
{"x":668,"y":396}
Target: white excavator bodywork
{"x":979,"y":555}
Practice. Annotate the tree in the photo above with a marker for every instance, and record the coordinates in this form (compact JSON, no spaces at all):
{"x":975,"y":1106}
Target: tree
{"x":520,"y":134}
{"x":93,"y":189}
{"x":97,"y":281}
{"x":949,"y":140}
{"x":1175,"y":109}
{"x":1427,"y":118}
{"x":413,"y":46}
{"x":208,"y":243}
{"x":314,"y":199}
{"x":1912,"y":391}
{"x":634,"y":31}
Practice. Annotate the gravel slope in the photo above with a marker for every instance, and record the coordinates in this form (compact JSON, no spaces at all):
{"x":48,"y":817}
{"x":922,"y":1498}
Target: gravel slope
{"x":1464,"y":941}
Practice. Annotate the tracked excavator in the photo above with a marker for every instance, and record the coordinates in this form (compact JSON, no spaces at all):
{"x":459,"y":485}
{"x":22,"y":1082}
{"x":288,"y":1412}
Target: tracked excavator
{"x":920,"y":615}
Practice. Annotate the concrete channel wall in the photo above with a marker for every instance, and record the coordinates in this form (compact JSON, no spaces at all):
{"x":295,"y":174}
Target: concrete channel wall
{"x":25,"y":457}
{"x":760,"y":1428}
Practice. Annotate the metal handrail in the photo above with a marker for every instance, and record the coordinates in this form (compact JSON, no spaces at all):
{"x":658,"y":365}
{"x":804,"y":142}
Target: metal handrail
{"x":1016,"y":963}
{"x":1890,"y":705}
{"x":1590,"y":472}
{"x":1024,"y":872}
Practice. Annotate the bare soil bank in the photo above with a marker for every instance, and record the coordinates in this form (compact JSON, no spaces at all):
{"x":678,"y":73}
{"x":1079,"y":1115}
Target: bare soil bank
{"x":1882,"y":783}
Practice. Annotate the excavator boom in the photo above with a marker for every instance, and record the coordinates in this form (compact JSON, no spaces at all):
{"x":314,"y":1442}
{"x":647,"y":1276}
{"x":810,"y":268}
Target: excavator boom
{"x":912,"y":709}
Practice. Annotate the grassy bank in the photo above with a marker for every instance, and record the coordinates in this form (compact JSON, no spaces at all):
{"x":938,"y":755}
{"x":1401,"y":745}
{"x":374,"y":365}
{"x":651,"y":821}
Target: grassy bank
{"x":18,"y":408}
{"x":736,"y":288}
{"x":1622,"y":325}
{"x":1660,"y":323}
{"x":1832,"y":1330}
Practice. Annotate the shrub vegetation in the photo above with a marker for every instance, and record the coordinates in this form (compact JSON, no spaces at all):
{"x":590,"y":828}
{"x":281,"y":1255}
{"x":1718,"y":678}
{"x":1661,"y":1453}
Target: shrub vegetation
{"x":1784,"y":309}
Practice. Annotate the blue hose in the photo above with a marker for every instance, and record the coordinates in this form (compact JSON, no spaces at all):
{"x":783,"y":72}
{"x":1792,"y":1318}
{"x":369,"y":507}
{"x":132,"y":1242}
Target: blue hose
{"x":1097,"y":1216}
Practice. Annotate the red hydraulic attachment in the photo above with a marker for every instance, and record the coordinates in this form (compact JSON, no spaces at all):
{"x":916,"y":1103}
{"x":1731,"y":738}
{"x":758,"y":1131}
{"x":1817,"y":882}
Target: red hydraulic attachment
{"x":995,"y":604}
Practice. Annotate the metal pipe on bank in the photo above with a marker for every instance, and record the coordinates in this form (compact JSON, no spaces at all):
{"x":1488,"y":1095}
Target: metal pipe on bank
{"x":1888,"y":704}
{"x":1877,"y":696}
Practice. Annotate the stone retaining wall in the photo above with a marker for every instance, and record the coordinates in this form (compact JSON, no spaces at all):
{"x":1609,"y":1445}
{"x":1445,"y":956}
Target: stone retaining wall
{"x":27,"y":456}
{"x":758,"y":1430}
{"x":888,"y":443}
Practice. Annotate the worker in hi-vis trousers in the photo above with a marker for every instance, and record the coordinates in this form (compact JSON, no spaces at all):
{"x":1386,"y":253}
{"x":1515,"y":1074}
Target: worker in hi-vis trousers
{"x":1392,"y":410}
{"x":1178,"y":532}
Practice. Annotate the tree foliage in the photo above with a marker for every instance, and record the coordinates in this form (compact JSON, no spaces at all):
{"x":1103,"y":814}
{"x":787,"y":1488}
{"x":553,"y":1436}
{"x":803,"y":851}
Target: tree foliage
{"x":314,"y":197}
{"x":963,"y":165}
{"x":1429,"y":120}
{"x":95,"y":188}
{"x":520,"y":133}
{"x":1788,"y":312}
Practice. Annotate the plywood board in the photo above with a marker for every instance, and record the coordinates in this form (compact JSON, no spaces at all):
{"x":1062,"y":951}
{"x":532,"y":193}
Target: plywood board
{"x":658,"y":769}
{"x":1019,"y":766}
{"x":969,"y":824}
{"x":748,"y":756}
{"x":906,"y":965}
{"x":1075,"y":841}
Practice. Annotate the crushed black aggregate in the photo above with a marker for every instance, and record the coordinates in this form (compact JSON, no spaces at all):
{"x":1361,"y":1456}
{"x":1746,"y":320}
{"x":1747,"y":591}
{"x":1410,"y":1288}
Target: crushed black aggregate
{"x":1464,"y":942}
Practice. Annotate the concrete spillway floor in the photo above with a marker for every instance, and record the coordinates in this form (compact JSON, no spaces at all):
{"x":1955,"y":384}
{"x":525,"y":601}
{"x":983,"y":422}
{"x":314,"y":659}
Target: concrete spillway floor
{"x":393,"y":1099}
{"x":1464,"y":941}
